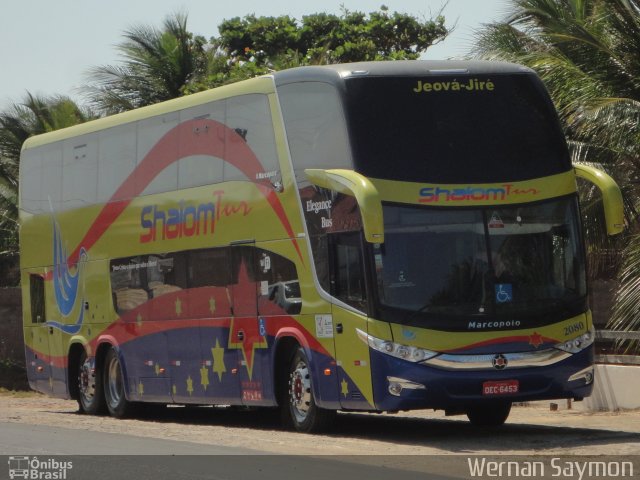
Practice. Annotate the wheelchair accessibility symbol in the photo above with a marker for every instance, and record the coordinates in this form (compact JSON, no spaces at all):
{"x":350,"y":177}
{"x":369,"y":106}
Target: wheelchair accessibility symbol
{"x":504,"y":292}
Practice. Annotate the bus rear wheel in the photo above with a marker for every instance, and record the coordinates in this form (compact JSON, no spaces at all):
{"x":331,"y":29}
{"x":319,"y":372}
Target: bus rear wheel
{"x":90,"y":394}
{"x":299,"y":408}
{"x":114,"y":395}
{"x":489,"y":415}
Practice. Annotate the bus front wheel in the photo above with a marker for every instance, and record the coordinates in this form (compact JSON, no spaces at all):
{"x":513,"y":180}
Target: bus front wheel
{"x":489,"y":415}
{"x":117,"y":404}
{"x":300,"y":408}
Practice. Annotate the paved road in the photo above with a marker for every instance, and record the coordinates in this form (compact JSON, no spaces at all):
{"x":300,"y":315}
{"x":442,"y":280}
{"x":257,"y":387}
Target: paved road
{"x":21,"y":439}
{"x":99,"y":455}
{"x":107,"y":456}
{"x":227,"y":444}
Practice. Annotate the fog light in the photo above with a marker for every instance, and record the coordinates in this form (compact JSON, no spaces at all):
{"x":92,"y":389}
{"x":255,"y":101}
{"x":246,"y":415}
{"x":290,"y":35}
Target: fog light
{"x":395,"y":389}
{"x":585,"y":374}
{"x":396,"y":385}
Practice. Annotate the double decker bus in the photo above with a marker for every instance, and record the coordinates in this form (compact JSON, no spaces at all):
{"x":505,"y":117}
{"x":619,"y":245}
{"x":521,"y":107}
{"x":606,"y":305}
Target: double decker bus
{"x":361,"y":237}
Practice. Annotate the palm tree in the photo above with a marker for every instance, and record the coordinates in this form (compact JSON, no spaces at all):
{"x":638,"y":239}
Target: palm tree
{"x":34,"y":115}
{"x":586,"y":52}
{"x":158,"y":65}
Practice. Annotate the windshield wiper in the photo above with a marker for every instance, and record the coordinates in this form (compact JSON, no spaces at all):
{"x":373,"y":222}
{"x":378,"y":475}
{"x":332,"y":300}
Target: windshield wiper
{"x":414,"y":313}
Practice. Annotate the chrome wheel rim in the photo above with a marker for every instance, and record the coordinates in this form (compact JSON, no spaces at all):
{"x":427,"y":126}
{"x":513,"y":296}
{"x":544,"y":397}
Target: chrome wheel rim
{"x":87,"y":381}
{"x":300,"y":391}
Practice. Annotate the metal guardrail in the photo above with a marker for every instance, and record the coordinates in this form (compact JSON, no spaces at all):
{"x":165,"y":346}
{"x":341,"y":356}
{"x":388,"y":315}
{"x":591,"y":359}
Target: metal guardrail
{"x":617,"y":335}
{"x":617,"y":359}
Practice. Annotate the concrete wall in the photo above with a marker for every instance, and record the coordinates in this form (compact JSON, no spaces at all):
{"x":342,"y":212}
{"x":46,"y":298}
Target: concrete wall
{"x":11,"y":340}
{"x":617,"y":387}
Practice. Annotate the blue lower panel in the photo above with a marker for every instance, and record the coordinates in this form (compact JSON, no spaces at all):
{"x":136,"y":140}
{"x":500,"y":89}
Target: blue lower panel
{"x":45,"y":377}
{"x":196,"y":365}
{"x":326,"y":386}
{"x":446,"y":389}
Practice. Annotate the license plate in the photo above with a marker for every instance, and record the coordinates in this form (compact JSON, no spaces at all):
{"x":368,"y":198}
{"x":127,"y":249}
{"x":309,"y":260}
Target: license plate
{"x":503,"y":387}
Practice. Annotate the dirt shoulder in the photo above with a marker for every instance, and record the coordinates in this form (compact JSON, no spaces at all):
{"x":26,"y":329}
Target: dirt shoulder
{"x":532,"y":429}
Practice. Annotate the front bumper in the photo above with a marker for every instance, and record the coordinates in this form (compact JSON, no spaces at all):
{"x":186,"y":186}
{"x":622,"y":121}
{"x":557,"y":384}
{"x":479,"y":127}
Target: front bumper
{"x":403,"y":385}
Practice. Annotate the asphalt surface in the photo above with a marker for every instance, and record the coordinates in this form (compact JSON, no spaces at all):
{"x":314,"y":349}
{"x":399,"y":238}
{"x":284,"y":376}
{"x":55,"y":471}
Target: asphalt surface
{"x":215,"y":443}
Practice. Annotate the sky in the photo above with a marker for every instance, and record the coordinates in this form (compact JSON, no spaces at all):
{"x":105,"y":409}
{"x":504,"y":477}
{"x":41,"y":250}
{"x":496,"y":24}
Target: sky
{"x":46,"y":47}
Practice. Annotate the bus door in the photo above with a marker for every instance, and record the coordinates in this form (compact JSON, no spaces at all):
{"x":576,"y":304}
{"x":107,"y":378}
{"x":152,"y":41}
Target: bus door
{"x":279,"y":303}
{"x":348,"y":286}
{"x":246,"y":332}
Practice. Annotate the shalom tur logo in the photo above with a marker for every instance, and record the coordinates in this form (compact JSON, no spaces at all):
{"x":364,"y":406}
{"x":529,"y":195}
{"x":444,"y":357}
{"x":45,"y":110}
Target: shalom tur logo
{"x":187,"y":219}
{"x":471,"y":194}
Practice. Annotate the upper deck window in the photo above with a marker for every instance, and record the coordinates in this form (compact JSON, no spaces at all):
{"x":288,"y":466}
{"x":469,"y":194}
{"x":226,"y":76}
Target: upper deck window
{"x":93,"y":168}
{"x":445,"y":129}
{"x":315,"y":126}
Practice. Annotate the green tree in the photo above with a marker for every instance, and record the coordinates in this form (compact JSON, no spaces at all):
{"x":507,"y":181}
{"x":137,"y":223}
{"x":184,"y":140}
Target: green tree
{"x":158,"y":65}
{"x":586,"y":52}
{"x":253,"y":45}
{"x":327,"y":38}
{"x":33,"y":116}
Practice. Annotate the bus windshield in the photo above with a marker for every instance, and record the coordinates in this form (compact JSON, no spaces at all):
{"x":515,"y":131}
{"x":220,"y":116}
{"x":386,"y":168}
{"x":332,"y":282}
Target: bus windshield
{"x":503,"y":260}
{"x":483,"y":128}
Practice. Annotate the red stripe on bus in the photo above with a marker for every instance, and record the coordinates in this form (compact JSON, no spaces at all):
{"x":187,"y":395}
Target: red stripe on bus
{"x":235,"y":151}
{"x":497,"y":341}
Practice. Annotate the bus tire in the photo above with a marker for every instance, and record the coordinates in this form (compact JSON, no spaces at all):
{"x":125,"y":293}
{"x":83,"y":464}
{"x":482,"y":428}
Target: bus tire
{"x":299,"y":408}
{"x":489,"y":415}
{"x":90,"y":393}
{"x":115,"y":399}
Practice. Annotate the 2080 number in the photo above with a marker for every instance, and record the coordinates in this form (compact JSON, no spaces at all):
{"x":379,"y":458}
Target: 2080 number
{"x":574,"y":328}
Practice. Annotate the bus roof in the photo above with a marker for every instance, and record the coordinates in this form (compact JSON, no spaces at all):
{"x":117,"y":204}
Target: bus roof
{"x":264,"y":84}
{"x":332,"y":73}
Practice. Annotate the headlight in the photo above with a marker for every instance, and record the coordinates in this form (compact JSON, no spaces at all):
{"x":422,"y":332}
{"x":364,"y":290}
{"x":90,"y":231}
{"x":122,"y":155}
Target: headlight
{"x":579,"y":343}
{"x":404,"y":352}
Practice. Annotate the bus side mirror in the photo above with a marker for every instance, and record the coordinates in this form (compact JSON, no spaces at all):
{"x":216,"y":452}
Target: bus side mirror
{"x":611,"y":196}
{"x":353,"y":184}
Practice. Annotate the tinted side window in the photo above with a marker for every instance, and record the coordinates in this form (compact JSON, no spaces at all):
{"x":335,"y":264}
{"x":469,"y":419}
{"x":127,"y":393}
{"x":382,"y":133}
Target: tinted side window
{"x":347,"y":276}
{"x":128,"y":282}
{"x":215,"y":279}
{"x":279,"y":288}
{"x":136,"y":280}
{"x":209,"y":280}
{"x":36,"y":292}
{"x":209,"y":268}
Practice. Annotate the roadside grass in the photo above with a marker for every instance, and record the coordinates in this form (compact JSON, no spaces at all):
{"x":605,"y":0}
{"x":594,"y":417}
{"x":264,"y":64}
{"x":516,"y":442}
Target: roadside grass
{"x":17,"y":393}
